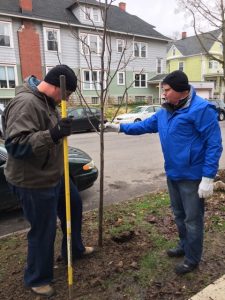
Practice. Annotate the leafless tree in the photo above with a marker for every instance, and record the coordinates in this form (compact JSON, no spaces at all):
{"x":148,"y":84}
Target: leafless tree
{"x":108,"y":65}
{"x":207,"y":16}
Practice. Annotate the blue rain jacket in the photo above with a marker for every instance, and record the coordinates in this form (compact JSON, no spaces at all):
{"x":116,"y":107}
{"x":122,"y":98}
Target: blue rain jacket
{"x":190,"y":138}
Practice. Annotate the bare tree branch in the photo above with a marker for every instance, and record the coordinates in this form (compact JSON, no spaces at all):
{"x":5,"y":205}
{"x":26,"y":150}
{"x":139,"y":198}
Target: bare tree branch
{"x":100,"y":53}
{"x":209,"y":13}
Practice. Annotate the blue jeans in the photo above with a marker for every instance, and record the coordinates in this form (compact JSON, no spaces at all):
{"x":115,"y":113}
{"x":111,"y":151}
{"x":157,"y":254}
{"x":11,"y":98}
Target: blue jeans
{"x":188,"y":210}
{"x":41,"y":207}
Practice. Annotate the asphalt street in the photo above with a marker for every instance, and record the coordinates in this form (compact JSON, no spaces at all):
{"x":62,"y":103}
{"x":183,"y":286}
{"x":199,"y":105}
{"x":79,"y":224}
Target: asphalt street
{"x":133,"y":167}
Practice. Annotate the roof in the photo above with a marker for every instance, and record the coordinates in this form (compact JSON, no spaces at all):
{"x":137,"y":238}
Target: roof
{"x":42,"y":9}
{"x":124,"y":22}
{"x":90,"y":2}
{"x":191,"y":45}
{"x":157,"y":78}
{"x":59,"y":11}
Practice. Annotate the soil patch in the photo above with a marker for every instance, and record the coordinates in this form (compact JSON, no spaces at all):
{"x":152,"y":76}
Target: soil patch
{"x":132,"y":263}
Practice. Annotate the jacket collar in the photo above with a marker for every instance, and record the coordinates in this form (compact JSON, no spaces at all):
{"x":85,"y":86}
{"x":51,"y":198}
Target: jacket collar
{"x":32,"y":82}
{"x":183,"y":103}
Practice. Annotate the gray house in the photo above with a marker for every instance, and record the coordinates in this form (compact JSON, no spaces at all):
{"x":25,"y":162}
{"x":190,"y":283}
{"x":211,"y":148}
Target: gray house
{"x":37,"y":35}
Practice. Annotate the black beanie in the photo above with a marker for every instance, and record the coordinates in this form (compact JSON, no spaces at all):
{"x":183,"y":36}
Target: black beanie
{"x":53,"y":77}
{"x":177,"y":80}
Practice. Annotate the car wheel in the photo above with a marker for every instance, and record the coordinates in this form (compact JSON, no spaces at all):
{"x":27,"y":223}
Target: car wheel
{"x":137,"y":120}
{"x":221,"y":116}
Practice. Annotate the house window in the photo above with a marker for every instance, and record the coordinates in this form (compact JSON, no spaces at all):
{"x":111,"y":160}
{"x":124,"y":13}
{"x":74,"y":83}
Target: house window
{"x":96,"y":14}
{"x":84,"y":44}
{"x":93,"y":43}
{"x":87,"y":13}
{"x":6,"y":34}
{"x":90,"y":44}
{"x":120,"y":78}
{"x":181,"y":66}
{"x":52,"y":39}
{"x":140,"y":80}
{"x":7,"y":77}
{"x":120,"y":46}
{"x":48,"y":68}
{"x":91,"y":80}
{"x":159,"y":65}
{"x":174,"y":51}
{"x":91,"y":14}
{"x":213,"y":64}
{"x":94,"y":100}
{"x":140,"y":49}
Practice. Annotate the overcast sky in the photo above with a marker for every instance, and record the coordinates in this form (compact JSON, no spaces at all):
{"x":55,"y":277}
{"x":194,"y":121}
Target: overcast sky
{"x":159,"y":13}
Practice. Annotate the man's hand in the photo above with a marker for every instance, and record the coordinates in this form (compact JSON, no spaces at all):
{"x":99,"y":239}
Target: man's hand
{"x":61,"y":129}
{"x":111,"y":127}
{"x":205,"y":188}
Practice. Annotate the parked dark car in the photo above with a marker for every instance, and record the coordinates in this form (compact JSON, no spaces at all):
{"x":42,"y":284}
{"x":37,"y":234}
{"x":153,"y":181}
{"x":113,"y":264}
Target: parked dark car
{"x":1,"y":112}
{"x":81,"y":167}
{"x":220,"y":106}
{"x":84,"y":119}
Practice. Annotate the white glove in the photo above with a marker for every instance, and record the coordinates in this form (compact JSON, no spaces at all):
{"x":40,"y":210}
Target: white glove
{"x":205,"y":188}
{"x":111,"y":127}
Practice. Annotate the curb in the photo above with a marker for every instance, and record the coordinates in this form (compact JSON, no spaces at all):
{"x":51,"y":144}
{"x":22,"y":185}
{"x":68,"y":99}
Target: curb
{"x":214,"y":291}
{"x":14,"y":233}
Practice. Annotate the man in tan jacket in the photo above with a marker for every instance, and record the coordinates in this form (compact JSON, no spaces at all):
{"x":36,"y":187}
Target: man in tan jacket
{"x":34,"y":171}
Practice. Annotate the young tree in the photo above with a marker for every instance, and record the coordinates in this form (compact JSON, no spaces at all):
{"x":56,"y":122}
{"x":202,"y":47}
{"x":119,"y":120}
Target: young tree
{"x":207,"y":16}
{"x":103,"y":65}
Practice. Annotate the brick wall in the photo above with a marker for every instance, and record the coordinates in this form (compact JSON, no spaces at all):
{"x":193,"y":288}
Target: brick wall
{"x":29,"y":50}
{"x":25,"y":5}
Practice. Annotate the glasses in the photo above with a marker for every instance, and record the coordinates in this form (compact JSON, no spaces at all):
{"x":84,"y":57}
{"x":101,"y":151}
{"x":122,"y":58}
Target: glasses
{"x":67,"y":93}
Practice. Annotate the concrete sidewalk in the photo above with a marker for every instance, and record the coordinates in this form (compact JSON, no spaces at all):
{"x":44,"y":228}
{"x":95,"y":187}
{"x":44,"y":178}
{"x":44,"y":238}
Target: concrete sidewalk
{"x":214,"y":291}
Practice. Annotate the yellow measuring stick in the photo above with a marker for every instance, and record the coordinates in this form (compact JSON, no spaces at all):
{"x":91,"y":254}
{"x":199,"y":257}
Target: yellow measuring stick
{"x":67,"y":188}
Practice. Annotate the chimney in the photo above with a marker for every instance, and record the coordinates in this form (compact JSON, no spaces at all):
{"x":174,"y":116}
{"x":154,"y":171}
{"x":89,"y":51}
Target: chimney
{"x":122,"y":6}
{"x":183,"y":35}
{"x":26,"y":6}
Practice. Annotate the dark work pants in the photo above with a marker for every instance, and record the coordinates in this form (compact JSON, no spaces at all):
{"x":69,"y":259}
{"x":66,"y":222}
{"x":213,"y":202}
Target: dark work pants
{"x":41,"y":207}
{"x":188,"y":210}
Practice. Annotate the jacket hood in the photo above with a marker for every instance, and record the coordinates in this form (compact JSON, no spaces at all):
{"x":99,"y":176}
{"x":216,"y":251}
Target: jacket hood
{"x":29,"y":86}
{"x":32,"y":82}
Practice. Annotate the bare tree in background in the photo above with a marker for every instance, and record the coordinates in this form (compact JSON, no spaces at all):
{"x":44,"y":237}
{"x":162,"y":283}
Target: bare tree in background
{"x":107,"y":67}
{"x":207,"y":16}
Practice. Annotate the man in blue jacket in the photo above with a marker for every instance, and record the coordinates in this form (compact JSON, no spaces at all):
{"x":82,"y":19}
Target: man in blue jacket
{"x":191,"y":143}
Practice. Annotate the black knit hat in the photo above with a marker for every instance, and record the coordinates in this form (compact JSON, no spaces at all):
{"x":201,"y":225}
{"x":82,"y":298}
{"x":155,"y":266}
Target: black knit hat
{"x":177,"y":80}
{"x":53,"y":77}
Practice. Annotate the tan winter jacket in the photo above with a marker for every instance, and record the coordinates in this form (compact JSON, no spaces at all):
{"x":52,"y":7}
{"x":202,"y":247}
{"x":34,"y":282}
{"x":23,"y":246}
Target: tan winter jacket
{"x":34,"y":160}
